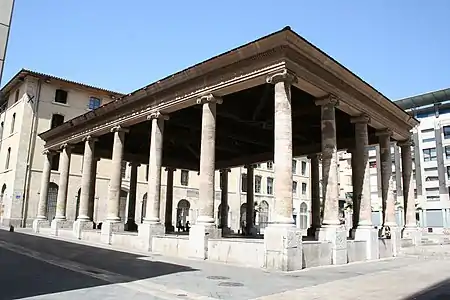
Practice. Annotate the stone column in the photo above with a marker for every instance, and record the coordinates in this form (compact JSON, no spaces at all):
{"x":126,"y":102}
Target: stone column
{"x":410,"y":231}
{"x":250,"y":228}
{"x":169,"y":201}
{"x":204,"y":229}
{"x":331,"y":229}
{"x":112,"y":222}
{"x":224,"y":202}
{"x":92,"y":190}
{"x":152,"y":224}
{"x":41,"y":217}
{"x":280,"y":255}
{"x":60,"y":220}
{"x":131,"y":214}
{"x":361,"y":190}
{"x":387,"y":189}
{"x":83,"y":221}
{"x":315,"y":194}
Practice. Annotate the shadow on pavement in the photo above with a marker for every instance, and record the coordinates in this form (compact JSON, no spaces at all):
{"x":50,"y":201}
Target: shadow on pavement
{"x":23,"y":276}
{"x":439,"y":291}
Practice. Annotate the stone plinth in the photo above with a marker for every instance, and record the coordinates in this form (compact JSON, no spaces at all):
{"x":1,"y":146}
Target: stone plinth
{"x":396,"y":237}
{"x":337,"y":235}
{"x":283,"y":247}
{"x":414,"y":233}
{"x":58,"y":224}
{"x":108,"y":228}
{"x":80,"y":225}
{"x":198,"y":239}
{"x":370,"y":236}
{"x":147,"y":231}
{"x":38,"y":223}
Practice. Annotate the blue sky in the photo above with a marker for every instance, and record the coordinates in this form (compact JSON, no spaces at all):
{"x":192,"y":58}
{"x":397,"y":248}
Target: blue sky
{"x":400,"y":47}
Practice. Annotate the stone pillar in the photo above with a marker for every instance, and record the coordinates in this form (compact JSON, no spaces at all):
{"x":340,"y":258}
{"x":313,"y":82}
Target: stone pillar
{"x":283,"y":241}
{"x":331,"y":229}
{"x":169,"y":201}
{"x":224,"y":202}
{"x":60,"y":220}
{"x":250,"y":228}
{"x":410,"y":230}
{"x":83,"y":221}
{"x":112,"y":222}
{"x":41,"y":217}
{"x":152,"y":224}
{"x":387,"y":189}
{"x":131,"y":214}
{"x":204,"y":229}
{"x":363,"y":231}
{"x":92,"y":190}
{"x":315,"y":194}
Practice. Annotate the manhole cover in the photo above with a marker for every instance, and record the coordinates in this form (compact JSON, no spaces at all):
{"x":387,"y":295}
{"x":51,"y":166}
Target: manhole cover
{"x":231,"y":284}
{"x":218,"y":277}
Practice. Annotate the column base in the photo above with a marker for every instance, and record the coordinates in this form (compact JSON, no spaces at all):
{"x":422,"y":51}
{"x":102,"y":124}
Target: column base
{"x":337,"y":235}
{"x":283,"y":247}
{"x":108,"y":228}
{"x":413,"y":233}
{"x":58,"y":224}
{"x":81,"y":225}
{"x":169,"y":228}
{"x":130,"y":225}
{"x":38,"y":223}
{"x":311,"y":231}
{"x":370,"y":235}
{"x":147,"y":231}
{"x":198,"y":239}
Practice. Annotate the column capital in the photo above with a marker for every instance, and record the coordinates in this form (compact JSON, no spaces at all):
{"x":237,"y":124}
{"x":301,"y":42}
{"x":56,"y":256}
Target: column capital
{"x":157,"y":115}
{"x":90,"y":138}
{"x":210,"y":98}
{"x":66,"y":146}
{"x":283,"y":75}
{"x":361,"y":119}
{"x":405,"y":143}
{"x":170,"y":169}
{"x":384,"y":132}
{"x":328,"y":99}
{"x":136,"y":164}
{"x":119,"y":128}
{"x":226,"y":170}
{"x":49,"y":152}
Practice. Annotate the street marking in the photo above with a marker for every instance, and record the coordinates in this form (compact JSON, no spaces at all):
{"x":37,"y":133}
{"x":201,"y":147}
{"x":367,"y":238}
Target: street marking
{"x":140,"y":285}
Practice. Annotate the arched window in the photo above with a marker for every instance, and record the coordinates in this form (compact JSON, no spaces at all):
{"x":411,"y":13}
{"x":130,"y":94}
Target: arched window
{"x":13,"y":122}
{"x":8,"y":156}
{"x":263,"y":217}
{"x":144,"y":206}
{"x":2,"y":195}
{"x":183,"y":208}
{"x":303,"y":216}
{"x":51,"y":200}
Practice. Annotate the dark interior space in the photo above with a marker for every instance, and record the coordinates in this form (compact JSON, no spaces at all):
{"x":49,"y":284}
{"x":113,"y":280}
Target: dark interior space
{"x":244,"y":132}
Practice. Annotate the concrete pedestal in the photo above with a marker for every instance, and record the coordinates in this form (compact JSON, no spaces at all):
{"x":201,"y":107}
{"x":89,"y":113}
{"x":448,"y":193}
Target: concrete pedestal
{"x":38,"y":223}
{"x":198,"y":239}
{"x":58,"y":224}
{"x":108,"y":228}
{"x":283,"y":247}
{"x":147,"y":231}
{"x":337,"y":235}
{"x":413,"y":233}
{"x":370,"y":235}
{"x":81,"y":225}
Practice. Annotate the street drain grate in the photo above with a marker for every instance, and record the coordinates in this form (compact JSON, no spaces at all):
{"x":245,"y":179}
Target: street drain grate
{"x":230,"y":284}
{"x":218,"y":277}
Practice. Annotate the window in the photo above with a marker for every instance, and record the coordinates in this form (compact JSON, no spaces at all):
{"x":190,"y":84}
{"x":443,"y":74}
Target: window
{"x":61,"y":96}
{"x":427,"y":140}
{"x":123,"y":169}
{"x":57,"y":120}
{"x":427,"y":130}
{"x":432,"y":178}
{"x":244,"y":182}
{"x":429,"y":154}
{"x":2,"y":126}
{"x":55,"y":162}
{"x":303,"y":216}
{"x":16,"y":96}
{"x":304,"y":188}
{"x":430,"y":169}
{"x":303,"y":167}
{"x":8,"y":156}
{"x":258,"y":184}
{"x":13,"y":123}
{"x":269,"y":185}
{"x":257,"y":166}
{"x":184,"y":180}
{"x":372,"y":164}
{"x":146,"y":172}
{"x":446,"y":130}
{"x":270,"y":165}
{"x":294,"y":188}
{"x":294,"y":166}
{"x":447,"y":152}
{"x":448,"y":172}
{"x":94,"y":103}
